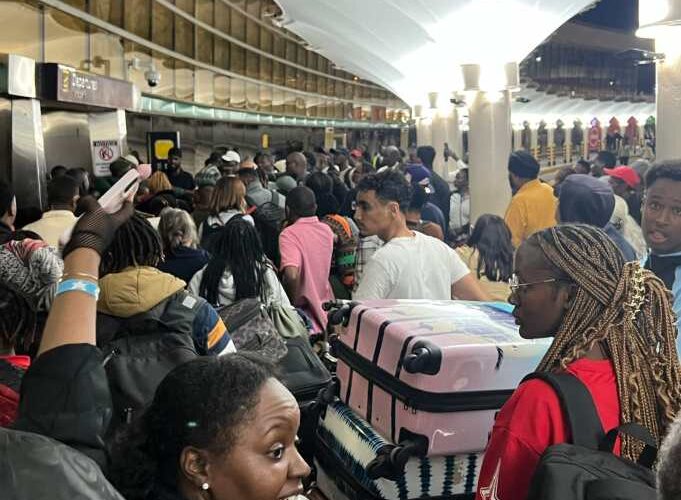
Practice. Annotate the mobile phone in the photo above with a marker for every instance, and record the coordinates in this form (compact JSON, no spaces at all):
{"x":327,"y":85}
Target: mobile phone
{"x":113,"y":199}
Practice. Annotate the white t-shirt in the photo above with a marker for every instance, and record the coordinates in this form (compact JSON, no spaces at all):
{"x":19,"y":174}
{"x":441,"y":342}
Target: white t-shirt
{"x":416,"y":267}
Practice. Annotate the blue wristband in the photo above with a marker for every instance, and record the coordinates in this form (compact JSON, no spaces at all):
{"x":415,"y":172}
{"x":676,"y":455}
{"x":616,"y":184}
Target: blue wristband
{"x":71,"y":285}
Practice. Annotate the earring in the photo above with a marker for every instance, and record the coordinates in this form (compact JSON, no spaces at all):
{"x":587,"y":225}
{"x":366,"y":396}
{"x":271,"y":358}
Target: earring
{"x":205,"y":486}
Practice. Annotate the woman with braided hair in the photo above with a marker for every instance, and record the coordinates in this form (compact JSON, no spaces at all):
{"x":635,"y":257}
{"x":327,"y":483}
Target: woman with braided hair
{"x":131,"y":285}
{"x":613,"y":329}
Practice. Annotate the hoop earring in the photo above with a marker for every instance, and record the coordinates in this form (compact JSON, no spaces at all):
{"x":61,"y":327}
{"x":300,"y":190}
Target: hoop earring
{"x":205,"y":486}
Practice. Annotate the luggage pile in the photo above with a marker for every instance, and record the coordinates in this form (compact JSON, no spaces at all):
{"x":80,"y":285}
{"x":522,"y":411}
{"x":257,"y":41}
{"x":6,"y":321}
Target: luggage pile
{"x":418,"y":385}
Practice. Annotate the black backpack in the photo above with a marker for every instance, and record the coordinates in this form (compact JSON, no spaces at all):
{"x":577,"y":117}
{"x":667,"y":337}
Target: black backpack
{"x":143,"y":349}
{"x":586,"y":468}
{"x":268,"y":219}
{"x":208,"y":231}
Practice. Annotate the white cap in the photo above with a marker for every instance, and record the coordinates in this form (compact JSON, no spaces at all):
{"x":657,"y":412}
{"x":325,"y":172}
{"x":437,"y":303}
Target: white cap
{"x":132,"y":159}
{"x":232,"y":156}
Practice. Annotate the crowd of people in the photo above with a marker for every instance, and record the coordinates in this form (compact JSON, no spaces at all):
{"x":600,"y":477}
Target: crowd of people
{"x":592,"y":260}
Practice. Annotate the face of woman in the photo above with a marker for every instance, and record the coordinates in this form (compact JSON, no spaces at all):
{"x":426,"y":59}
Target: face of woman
{"x":540,"y":305}
{"x":264,"y":463}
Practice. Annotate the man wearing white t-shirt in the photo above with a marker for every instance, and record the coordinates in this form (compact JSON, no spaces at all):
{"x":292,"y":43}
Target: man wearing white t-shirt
{"x":410,"y":265}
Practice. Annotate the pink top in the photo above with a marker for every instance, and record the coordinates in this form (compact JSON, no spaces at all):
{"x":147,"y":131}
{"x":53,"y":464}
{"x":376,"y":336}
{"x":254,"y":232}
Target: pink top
{"x":308,"y":245}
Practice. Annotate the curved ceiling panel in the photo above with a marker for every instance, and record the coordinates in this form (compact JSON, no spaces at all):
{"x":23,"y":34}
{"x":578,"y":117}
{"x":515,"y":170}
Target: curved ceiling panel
{"x":414,"y":47}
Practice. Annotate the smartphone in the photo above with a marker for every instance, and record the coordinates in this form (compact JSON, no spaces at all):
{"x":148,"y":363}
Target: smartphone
{"x":113,"y":199}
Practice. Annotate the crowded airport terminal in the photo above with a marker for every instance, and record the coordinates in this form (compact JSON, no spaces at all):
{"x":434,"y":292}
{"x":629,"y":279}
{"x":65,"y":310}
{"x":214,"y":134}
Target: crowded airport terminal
{"x":340,"y":249}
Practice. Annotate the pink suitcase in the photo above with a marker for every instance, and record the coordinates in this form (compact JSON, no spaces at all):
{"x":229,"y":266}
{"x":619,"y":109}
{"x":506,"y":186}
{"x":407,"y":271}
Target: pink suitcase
{"x":432,"y":374}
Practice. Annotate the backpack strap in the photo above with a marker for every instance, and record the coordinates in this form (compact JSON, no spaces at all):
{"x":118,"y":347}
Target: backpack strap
{"x":578,"y":407}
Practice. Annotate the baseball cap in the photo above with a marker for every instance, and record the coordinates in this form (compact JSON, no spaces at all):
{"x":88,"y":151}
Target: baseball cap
{"x":132,"y":159}
{"x":286,"y":183}
{"x":627,"y":174}
{"x":232,"y":156}
{"x":247,"y":165}
{"x":417,"y":174}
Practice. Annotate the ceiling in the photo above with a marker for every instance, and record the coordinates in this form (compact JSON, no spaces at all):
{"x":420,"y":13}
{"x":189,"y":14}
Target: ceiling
{"x":414,"y":47}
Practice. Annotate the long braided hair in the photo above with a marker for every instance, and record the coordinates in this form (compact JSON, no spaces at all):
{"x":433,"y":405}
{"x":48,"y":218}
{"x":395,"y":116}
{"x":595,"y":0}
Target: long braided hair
{"x":136,"y":243}
{"x":626,"y":310}
{"x":236,"y":248}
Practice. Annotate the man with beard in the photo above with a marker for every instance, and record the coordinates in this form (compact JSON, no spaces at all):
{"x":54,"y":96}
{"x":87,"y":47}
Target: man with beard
{"x":533,"y":206}
{"x":178,"y":177}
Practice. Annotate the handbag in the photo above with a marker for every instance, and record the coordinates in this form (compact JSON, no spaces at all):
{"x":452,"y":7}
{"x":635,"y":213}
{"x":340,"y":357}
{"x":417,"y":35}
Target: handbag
{"x":287,"y":322}
{"x":252,"y":329}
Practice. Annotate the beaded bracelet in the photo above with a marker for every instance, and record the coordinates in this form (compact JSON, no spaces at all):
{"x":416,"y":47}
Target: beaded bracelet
{"x":73,"y":285}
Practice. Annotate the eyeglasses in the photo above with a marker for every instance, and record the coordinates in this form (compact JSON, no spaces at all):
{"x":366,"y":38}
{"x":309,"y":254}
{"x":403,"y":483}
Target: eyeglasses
{"x":515,"y":284}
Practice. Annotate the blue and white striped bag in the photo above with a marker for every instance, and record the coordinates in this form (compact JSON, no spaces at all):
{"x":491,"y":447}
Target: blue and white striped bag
{"x":347,"y":444}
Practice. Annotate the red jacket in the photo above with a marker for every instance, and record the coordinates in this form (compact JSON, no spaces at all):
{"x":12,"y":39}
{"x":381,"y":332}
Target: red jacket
{"x":531,"y":421}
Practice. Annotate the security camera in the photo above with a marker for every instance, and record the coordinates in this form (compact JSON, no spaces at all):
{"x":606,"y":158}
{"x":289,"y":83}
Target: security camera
{"x":152,"y":76}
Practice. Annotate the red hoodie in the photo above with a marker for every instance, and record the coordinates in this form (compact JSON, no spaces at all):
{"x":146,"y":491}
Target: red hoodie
{"x":531,"y":421}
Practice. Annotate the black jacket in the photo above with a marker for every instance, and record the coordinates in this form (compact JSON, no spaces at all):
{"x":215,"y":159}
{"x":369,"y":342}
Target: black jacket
{"x":441,"y":196}
{"x":6,"y":234}
{"x":65,"y":396}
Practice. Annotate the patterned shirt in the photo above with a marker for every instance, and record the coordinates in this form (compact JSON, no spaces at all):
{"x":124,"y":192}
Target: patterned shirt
{"x":365,"y":250}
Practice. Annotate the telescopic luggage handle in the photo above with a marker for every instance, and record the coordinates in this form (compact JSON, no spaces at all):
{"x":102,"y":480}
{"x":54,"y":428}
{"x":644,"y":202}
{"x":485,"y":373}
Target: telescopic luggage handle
{"x":339,"y":312}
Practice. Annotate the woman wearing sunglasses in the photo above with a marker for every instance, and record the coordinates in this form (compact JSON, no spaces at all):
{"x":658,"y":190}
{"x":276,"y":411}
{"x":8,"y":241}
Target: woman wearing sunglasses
{"x":612,"y":327}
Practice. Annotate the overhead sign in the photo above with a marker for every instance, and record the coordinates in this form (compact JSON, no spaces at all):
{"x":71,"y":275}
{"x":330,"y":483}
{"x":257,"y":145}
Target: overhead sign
{"x":66,"y":84}
{"x":104,"y":152}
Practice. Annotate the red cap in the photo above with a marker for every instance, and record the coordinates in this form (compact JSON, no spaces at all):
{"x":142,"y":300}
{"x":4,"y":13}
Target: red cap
{"x":356,"y":153}
{"x":627,"y":174}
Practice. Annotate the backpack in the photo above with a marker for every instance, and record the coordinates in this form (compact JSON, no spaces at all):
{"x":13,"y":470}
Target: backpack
{"x":251,"y":329}
{"x":143,"y":349}
{"x":268,"y":219}
{"x":586,"y":468}
{"x":208,"y":231}
{"x":10,"y":386}
{"x":344,"y":249}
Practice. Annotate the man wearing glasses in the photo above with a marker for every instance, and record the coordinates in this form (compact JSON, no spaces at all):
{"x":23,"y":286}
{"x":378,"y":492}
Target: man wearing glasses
{"x":410,"y":265}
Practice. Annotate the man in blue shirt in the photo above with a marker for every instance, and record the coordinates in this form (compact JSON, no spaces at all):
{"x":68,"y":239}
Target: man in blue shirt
{"x":661,"y":226}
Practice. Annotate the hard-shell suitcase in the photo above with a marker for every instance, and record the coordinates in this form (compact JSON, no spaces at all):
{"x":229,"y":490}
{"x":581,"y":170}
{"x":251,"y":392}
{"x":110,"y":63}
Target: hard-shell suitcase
{"x":432,"y":374}
{"x":347,"y":446}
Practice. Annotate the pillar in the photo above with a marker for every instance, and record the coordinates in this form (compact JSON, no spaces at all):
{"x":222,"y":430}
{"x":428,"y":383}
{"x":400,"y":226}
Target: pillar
{"x":438,"y":139}
{"x":29,"y":170}
{"x":489,"y":141}
{"x":668,"y":123}
{"x":424,"y":132}
{"x":445,"y":129}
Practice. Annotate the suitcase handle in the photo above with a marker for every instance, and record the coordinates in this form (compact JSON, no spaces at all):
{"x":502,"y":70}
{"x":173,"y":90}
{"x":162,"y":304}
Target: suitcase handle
{"x":339,"y":312}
